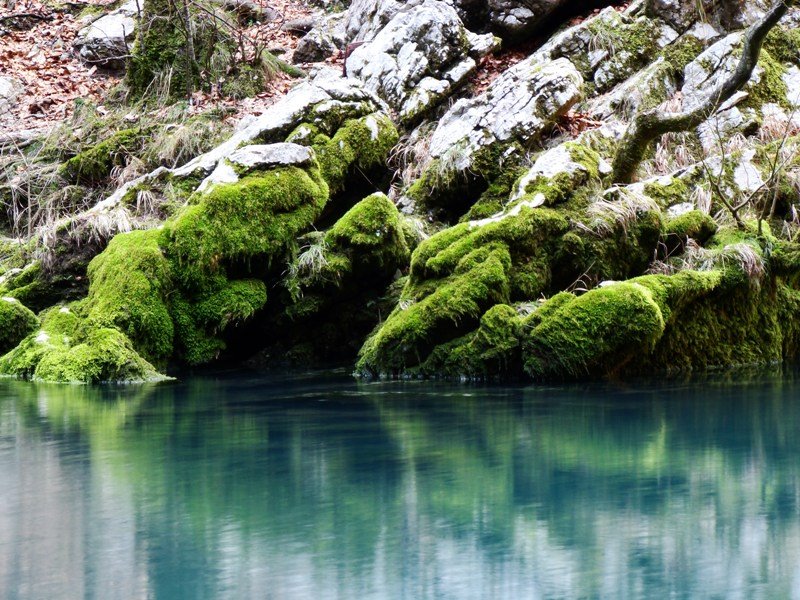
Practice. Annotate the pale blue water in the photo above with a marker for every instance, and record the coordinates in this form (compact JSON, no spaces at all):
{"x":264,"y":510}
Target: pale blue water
{"x":321,"y":487}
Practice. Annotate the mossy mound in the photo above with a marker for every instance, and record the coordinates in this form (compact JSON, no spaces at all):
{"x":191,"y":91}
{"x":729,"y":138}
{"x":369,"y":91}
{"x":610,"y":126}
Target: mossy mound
{"x":62,"y":350}
{"x":337,"y":285}
{"x":130,"y":282}
{"x":344,"y":146}
{"x":258,"y":216}
{"x":16,"y":322}
{"x":95,"y":164}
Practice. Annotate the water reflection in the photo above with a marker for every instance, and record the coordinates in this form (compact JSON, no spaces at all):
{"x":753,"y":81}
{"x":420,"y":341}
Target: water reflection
{"x":325,"y":488}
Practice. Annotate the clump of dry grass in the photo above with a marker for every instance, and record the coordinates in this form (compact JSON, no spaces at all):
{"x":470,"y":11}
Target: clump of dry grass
{"x":618,"y":209}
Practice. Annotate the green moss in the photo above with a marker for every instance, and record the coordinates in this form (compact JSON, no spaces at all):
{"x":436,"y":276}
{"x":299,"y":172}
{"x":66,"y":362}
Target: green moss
{"x":693,"y":224}
{"x":494,"y":199}
{"x":105,"y":355}
{"x":260,"y":215}
{"x":490,"y":352}
{"x":199,"y":322}
{"x":58,"y":325}
{"x":597,"y":333}
{"x":735,"y":324}
{"x":784,"y":45}
{"x":479,"y":281}
{"x":130,"y":282}
{"x":681,"y":52}
{"x":362,"y":144}
{"x":667,"y":191}
{"x":161,"y":47}
{"x":372,"y":233}
{"x":95,"y":164}
{"x":16,"y":323}
{"x":770,"y":87}
{"x":630,"y":45}
{"x":60,"y":352}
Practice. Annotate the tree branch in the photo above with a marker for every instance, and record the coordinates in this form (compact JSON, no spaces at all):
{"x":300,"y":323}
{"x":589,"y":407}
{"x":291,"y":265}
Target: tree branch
{"x":651,"y":124}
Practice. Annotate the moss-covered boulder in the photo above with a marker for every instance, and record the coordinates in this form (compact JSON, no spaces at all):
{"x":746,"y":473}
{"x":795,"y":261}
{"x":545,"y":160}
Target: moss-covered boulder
{"x":337,"y":287}
{"x":16,"y":322}
{"x":65,"y":350}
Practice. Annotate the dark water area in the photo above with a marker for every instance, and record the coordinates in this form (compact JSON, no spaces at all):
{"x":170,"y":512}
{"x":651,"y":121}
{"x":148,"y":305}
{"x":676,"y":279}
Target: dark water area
{"x":317,"y":486}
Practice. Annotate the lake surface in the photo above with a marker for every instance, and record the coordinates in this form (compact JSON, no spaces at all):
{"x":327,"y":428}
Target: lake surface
{"x":320,"y":487}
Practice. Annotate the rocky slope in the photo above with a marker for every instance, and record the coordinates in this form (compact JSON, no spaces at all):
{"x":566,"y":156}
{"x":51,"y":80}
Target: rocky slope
{"x":424,"y":215}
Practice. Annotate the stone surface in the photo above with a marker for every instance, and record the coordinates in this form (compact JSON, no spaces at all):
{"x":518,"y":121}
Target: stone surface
{"x":107,"y":40}
{"x":10,"y":89}
{"x":322,"y":41}
{"x":517,"y":106}
{"x":418,"y":58}
{"x":257,"y":157}
{"x":511,"y":19}
{"x":327,"y":96}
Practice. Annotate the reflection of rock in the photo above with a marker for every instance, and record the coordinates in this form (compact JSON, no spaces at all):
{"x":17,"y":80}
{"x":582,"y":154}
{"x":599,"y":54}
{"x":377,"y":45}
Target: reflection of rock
{"x":421,"y":55}
{"x":107,"y":40}
{"x":10,"y":90}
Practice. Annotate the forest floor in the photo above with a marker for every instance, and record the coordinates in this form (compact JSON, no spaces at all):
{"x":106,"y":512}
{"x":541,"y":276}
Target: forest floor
{"x":36,"y":49}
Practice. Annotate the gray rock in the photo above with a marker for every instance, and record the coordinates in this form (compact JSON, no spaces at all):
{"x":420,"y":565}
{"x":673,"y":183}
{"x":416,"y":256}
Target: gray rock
{"x":717,"y":63}
{"x":511,"y":19}
{"x":418,"y":58}
{"x":322,"y":41}
{"x":300,"y":25}
{"x":516,"y":108}
{"x":107,"y":40}
{"x":727,"y":16}
{"x":10,"y":89}
{"x":328,"y":96}
{"x":257,"y":157}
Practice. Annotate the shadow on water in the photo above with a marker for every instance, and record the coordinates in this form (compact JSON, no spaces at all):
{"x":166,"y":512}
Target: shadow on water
{"x":322,"y":486}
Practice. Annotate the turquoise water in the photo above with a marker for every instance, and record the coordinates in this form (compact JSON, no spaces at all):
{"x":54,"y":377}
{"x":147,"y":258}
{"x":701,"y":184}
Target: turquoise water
{"x":321,"y":487}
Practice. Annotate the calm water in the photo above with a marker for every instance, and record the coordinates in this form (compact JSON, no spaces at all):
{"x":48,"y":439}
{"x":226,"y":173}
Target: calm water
{"x":318,"y":487}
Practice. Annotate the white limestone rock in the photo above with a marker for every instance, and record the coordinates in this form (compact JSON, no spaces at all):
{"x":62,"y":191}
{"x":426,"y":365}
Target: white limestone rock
{"x":107,"y":41}
{"x":418,"y":58}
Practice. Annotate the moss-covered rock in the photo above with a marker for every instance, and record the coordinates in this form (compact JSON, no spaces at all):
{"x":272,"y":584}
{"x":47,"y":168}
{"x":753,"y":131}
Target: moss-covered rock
{"x":362,"y":144}
{"x":479,"y":280}
{"x":16,"y":322}
{"x":258,"y":216}
{"x":130,"y":283}
{"x":95,"y":164}
{"x":60,"y":351}
{"x":692,"y":224}
{"x":490,"y":352}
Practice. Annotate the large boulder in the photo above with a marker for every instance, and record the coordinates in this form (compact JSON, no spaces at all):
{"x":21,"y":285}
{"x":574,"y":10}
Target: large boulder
{"x":322,"y":41}
{"x":421,"y":55}
{"x":705,"y":74}
{"x":511,"y":19}
{"x":107,"y":41}
{"x":476,"y":135}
